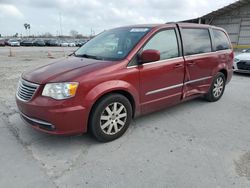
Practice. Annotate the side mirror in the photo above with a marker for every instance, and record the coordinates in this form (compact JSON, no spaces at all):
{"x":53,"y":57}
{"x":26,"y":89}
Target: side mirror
{"x":244,"y":51}
{"x":148,"y":56}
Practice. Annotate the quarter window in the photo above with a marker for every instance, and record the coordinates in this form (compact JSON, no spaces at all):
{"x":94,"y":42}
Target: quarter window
{"x":196,"y":41}
{"x":166,"y":43}
{"x":221,"y":41}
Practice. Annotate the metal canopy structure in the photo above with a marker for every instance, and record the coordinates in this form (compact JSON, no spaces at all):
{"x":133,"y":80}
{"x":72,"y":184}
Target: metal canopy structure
{"x":226,"y":9}
{"x":234,"y":18}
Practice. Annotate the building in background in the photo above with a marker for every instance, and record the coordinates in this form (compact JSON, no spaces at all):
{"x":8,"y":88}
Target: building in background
{"x":234,"y":18}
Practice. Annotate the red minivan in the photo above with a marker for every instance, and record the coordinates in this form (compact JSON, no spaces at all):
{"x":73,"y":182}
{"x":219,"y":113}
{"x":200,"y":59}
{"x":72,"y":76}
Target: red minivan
{"x":123,"y":73}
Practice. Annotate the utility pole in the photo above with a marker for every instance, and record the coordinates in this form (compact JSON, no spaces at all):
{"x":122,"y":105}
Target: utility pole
{"x":60,"y":17}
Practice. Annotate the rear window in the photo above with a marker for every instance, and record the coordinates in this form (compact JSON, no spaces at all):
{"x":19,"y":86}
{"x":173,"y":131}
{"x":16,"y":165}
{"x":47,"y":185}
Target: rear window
{"x":196,"y":41}
{"x":221,"y":41}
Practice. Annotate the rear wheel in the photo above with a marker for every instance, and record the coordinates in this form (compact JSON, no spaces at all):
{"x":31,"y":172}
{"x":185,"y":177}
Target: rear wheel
{"x":110,"y":117}
{"x":217,"y":88}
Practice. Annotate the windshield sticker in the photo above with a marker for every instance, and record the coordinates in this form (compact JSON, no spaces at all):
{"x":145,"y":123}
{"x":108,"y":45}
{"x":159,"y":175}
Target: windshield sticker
{"x":139,"y":30}
{"x":120,"y":53}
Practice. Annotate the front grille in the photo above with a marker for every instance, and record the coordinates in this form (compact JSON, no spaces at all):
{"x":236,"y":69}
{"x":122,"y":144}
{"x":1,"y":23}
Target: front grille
{"x":26,"y":90}
{"x":244,"y":65}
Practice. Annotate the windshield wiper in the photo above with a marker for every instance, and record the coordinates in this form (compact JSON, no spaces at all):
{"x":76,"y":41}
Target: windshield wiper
{"x":88,"y":56}
{"x":73,"y":53}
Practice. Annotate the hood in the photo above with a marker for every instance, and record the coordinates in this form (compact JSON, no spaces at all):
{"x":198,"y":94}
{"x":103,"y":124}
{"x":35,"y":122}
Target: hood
{"x":63,"y":70}
{"x":243,"y":56}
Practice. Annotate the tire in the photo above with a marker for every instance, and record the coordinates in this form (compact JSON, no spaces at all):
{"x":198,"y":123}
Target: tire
{"x":110,"y":117}
{"x":217,"y":88}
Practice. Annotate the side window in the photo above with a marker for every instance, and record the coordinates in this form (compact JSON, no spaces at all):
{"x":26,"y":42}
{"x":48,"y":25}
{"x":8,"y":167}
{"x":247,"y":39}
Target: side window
{"x":196,"y":41}
{"x":221,"y":41}
{"x":165,"y":42}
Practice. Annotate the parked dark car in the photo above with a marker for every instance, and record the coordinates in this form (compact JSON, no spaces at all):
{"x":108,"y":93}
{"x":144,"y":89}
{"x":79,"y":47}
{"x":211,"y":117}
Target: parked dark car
{"x":6,"y":42}
{"x":39,"y":42}
{"x":52,"y":42}
{"x":2,"y":42}
{"x":26,"y":42}
{"x":123,"y":73}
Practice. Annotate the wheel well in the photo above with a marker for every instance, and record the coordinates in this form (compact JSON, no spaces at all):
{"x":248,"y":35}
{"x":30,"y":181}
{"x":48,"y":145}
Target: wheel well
{"x":122,"y":92}
{"x":223,"y":71}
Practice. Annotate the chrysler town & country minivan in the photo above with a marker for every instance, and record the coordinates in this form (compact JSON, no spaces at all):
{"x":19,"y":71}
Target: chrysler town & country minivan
{"x":123,"y":73}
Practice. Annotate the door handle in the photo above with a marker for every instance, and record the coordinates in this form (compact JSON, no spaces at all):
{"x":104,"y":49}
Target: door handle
{"x":178,"y":65}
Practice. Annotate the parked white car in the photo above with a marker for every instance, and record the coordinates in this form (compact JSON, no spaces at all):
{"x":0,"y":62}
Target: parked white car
{"x":64,"y":44}
{"x":242,"y":62}
{"x":13,"y":42}
{"x":72,"y":44}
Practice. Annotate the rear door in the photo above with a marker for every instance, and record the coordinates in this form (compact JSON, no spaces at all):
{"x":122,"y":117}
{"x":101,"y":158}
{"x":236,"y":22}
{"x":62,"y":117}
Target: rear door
{"x":161,"y":82}
{"x":200,"y":61}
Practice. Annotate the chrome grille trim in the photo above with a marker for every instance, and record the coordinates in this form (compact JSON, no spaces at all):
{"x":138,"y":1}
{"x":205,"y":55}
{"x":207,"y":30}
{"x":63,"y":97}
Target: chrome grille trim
{"x":26,"y":90}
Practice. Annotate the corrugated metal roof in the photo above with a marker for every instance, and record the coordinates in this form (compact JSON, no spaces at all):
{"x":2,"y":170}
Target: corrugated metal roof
{"x":225,"y":9}
{"x":220,"y":11}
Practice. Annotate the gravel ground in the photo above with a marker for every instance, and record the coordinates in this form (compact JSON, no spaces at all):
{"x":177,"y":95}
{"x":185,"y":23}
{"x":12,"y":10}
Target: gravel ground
{"x":193,"y":144}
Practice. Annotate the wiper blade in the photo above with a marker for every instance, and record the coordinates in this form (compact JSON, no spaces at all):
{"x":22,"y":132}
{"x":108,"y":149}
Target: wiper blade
{"x":89,"y":56}
{"x":73,"y":53}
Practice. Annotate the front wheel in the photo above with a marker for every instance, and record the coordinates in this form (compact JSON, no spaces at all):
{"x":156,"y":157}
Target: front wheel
{"x":110,"y":117}
{"x":217,"y":88}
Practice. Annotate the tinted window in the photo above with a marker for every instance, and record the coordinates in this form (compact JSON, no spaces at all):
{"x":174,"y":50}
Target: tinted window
{"x":196,"y":41}
{"x":221,"y":40}
{"x":166,"y":43}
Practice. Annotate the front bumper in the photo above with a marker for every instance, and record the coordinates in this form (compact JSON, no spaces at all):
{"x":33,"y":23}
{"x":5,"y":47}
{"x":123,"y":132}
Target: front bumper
{"x":241,"y":69}
{"x":54,"y":117}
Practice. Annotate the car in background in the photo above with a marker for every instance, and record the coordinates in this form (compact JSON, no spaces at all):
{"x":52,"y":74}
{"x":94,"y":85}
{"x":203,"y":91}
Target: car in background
{"x":71,"y":44}
{"x":6,"y":41}
{"x":2,"y":42}
{"x":242,"y":62}
{"x":13,"y":42}
{"x":80,"y":43}
{"x":52,"y":42}
{"x":39,"y":42}
{"x":64,"y":43}
{"x":26,"y":42}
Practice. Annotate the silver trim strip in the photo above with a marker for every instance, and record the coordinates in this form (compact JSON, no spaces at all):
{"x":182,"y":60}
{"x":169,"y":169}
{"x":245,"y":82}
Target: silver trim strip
{"x":164,"y":89}
{"x":201,"y":54}
{"x":176,"y":86}
{"x":197,"y":80}
{"x":130,"y":67}
{"x":165,"y":60}
{"x":181,"y":57}
{"x":29,"y":83}
{"x":37,"y":121}
{"x":155,"y":62}
{"x":207,"y":53}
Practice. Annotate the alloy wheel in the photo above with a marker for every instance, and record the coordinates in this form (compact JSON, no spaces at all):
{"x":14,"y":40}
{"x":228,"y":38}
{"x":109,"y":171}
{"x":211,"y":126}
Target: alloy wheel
{"x":113,"y":118}
{"x":218,"y":87}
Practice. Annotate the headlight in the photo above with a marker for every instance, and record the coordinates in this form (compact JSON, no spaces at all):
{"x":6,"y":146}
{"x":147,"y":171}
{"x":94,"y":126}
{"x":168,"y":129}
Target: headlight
{"x":236,"y":60}
{"x":60,"y":91}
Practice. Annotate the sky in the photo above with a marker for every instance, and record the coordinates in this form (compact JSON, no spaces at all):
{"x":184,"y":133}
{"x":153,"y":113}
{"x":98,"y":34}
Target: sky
{"x":96,"y":15}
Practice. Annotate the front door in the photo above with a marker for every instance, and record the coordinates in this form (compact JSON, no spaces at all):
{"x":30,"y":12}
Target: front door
{"x":161,"y":82}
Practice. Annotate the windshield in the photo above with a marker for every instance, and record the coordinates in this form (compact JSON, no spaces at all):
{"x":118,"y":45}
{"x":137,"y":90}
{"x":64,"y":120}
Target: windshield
{"x":113,"y":45}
